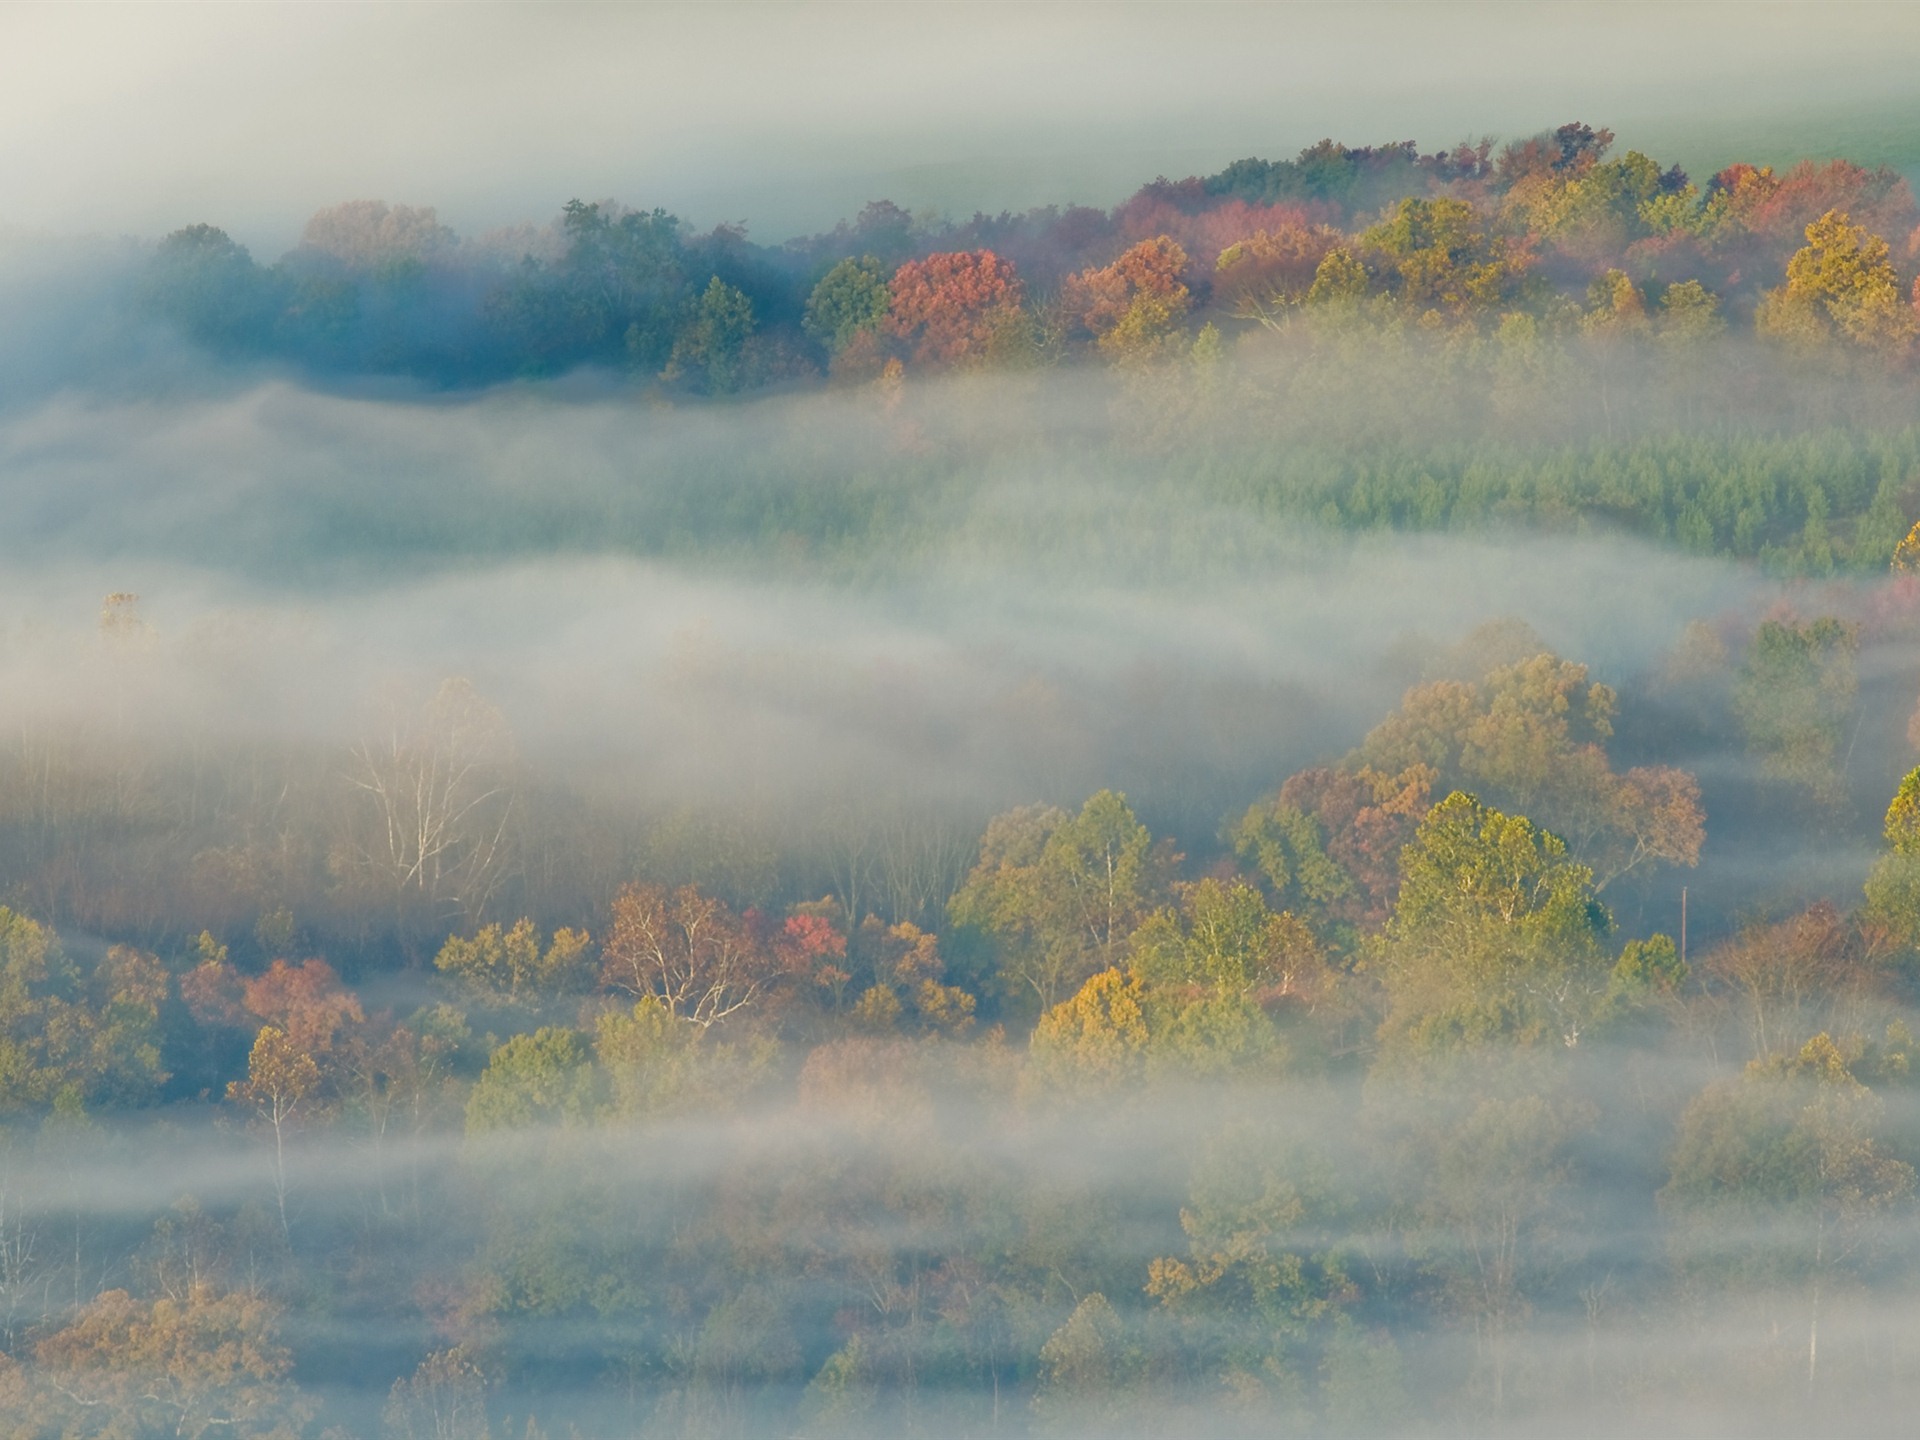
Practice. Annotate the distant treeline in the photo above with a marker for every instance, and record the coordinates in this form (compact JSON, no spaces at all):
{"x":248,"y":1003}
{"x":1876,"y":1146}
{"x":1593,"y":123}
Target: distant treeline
{"x":1547,"y":237}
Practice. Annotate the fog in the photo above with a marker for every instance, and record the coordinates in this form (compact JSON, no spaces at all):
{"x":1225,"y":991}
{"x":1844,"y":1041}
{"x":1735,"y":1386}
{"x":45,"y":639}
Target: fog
{"x":589,"y":850}
{"x":129,"y":119}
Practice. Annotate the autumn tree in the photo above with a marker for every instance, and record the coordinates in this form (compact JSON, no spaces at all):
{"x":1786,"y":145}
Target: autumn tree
{"x":1788,"y":976}
{"x":1840,"y":287}
{"x":510,"y":966}
{"x":1060,"y":894}
{"x":444,"y":1399}
{"x":688,"y":950}
{"x":1133,"y":307}
{"x":1530,"y":734}
{"x":908,"y":973}
{"x":1261,"y":276}
{"x":307,"y":1002}
{"x":949,"y":307}
{"x":74,"y":1037}
{"x":1328,"y":843}
{"x":1096,"y":1040}
{"x":206,"y":1363}
{"x":368,"y":233}
{"x":281,"y":1087}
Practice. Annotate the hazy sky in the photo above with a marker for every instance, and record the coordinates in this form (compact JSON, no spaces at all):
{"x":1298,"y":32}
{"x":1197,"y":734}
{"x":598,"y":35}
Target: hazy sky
{"x":142,"y":117}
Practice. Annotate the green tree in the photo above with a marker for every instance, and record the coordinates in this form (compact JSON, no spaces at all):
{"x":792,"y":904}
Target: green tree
{"x":1780,"y":1177}
{"x":1443,"y":258}
{"x":1795,"y":699}
{"x":1060,"y":894}
{"x":536,"y":1079}
{"x":509,"y":967}
{"x":205,"y":283}
{"x":1496,"y":934}
{"x":1266,"y":1275}
{"x":1893,"y":887}
{"x":850,"y":300}
{"x":712,"y":351}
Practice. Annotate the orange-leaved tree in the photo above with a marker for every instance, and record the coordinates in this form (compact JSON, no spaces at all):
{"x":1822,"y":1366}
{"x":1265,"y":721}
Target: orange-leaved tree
{"x":949,"y":308}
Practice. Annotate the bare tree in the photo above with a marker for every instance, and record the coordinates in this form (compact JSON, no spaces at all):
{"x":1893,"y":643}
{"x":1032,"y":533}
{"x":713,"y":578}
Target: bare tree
{"x":687,"y":950}
{"x":439,"y":795}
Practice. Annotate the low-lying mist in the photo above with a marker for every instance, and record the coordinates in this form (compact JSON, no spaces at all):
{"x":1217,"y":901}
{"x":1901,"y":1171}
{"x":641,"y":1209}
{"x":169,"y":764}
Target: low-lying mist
{"x":852,"y":1071}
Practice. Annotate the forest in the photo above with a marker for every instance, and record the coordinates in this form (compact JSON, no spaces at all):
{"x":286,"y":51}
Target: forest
{"x":1291,"y":809}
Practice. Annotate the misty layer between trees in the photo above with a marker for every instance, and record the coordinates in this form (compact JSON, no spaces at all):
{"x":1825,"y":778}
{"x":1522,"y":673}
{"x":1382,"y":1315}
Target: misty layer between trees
{"x":1323,"y":840}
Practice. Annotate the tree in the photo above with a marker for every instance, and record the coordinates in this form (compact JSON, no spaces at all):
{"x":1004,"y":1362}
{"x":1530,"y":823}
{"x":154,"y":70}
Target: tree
{"x":1221,"y":938}
{"x":1328,"y":843}
{"x":949,"y":307}
{"x":713,"y":349}
{"x":1841,"y":286}
{"x":75,"y":1039}
{"x":282,"y":1084}
{"x":1133,"y":307}
{"x":1261,"y":276}
{"x":851,"y":300}
{"x":1089,"y":1372}
{"x":367,"y":233}
{"x":1893,"y":888}
{"x":444,"y":1399}
{"x":1265,"y":1272}
{"x":1489,"y":1182}
{"x":1794,"y":699}
{"x":1096,"y":1040}
{"x":509,"y":967}
{"x":1529,"y":734}
{"x":618,"y":289}
{"x":1443,"y":258}
{"x":1059,"y":895}
{"x":306,"y":1002}
{"x":687,"y":950}
{"x":656,"y":1064}
{"x":1496,"y":934}
{"x":1779,"y":1175}
{"x":207,"y":285}
{"x":1787,"y":975}
{"x":540,"y":1078}
{"x":207,"y":1363}
{"x":438,"y":793}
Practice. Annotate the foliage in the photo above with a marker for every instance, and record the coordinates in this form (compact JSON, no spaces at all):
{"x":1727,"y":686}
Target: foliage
{"x":1495,"y":935}
{"x":1795,"y":698}
{"x":509,"y":967}
{"x":1060,"y":894}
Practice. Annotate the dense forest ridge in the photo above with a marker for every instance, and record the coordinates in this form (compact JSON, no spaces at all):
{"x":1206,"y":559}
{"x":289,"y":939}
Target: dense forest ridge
{"x":400,"y":1087}
{"x":1360,"y":338}
{"x":1393,"y":939}
{"x":1547,"y":239}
